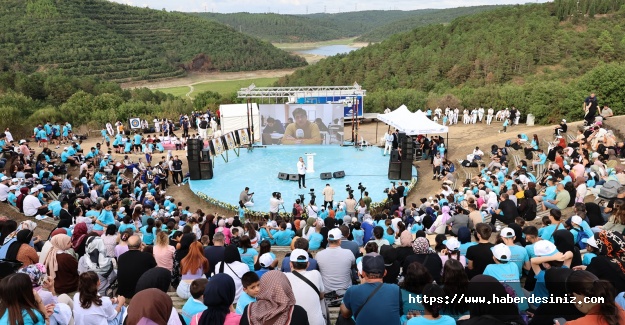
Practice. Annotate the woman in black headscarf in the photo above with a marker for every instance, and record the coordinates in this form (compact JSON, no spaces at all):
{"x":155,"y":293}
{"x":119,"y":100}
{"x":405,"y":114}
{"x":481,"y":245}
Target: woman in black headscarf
{"x":157,"y":277}
{"x":564,"y":241}
{"x":555,"y":281}
{"x":63,"y":224}
{"x":218,"y":297}
{"x":391,"y":264}
{"x":328,"y":224}
{"x":21,"y":250}
{"x":8,"y":227}
{"x":233,"y":267}
{"x":185,"y":243}
{"x":493,"y":313}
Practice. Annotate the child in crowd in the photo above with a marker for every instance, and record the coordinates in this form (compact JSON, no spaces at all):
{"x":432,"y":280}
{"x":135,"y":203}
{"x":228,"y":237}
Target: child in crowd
{"x":195,"y":303}
{"x":265,"y":261}
{"x":251,"y":288}
{"x":591,"y":249}
{"x":506,"y":272}
{"x":205,"y":240}
{"x":235,"y":239}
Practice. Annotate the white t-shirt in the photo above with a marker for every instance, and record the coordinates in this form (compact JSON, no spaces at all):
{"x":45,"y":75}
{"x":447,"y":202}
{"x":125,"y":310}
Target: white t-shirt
{"x":301,"y":168}
{"x":4,"y":192}
{"x":31,"y":204}
{"x":312,"y":211}
{"x":235,"y":270}
{"x":306,"y":296}
{"x":94,"y":315}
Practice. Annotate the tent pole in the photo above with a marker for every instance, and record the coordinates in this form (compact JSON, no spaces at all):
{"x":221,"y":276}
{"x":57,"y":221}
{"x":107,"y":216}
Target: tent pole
{"x":447,"y":144}
{"x":377,"y":123}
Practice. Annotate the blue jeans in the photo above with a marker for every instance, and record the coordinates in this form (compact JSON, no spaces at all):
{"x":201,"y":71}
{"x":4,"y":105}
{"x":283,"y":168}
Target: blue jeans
{"x":549,"y":205}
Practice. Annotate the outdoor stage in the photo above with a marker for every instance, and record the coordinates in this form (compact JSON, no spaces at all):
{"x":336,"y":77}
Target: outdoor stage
{"x":258,"y":170}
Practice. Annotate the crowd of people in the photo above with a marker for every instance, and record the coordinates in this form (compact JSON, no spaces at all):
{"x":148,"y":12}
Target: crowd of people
{"x":122,"y":247}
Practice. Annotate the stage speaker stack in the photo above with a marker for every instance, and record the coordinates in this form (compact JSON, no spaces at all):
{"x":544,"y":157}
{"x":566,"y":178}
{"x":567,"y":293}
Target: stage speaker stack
{"x":394,"y":170}
{"x":339,"y":174}
{"x":406,"y":169}
{"x":194,"y":156}
{"x":407,"y":148}
{"x":293,"y":177}
{"x":206,"y":170}
{"x":283,"y":176}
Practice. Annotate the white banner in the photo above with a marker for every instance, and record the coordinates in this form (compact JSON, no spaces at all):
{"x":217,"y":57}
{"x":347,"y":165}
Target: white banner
{"x":135,"y":123}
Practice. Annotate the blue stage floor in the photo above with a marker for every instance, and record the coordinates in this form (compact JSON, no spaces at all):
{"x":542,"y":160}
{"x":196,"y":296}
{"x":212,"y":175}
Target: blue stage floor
{"x":259,"y":170}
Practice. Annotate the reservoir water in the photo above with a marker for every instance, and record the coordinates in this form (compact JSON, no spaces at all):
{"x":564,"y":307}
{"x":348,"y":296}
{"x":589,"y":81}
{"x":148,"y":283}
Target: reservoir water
{"x":329,"y":50}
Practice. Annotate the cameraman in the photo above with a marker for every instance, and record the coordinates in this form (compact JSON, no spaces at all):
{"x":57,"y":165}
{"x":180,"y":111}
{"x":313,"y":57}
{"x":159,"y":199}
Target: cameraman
{"x":312,"y":209}
{"x":274,"y":204}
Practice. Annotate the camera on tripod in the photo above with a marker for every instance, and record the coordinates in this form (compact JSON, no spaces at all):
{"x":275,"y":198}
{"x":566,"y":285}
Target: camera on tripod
{"x":277,"y":195}
{"x":361,"y":188}
{"x":349,"y":189}
{"x":312,"y":194}
{"x":301,"y":197}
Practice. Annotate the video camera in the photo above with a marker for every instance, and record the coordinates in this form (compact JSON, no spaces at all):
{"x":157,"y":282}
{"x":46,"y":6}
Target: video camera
{"x":348,"y":188}
{"x":277,"y":195}
{"x":301,"y":197}
{"x":312,"y":194}
{"x":361,"y":188}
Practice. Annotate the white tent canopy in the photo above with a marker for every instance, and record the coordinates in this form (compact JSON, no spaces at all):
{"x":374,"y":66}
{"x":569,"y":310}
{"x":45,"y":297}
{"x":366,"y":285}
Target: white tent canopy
{"x":235,"y":117}
{"x":412,"y":123}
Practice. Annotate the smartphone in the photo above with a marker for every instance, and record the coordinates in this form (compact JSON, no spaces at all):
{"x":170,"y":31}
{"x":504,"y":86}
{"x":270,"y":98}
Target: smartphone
{"x":560,"y":321}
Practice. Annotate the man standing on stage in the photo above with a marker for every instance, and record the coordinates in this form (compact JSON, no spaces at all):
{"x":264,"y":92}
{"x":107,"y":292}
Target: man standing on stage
{"x":328,"y":196}
{"x":388,"y":142}
{"x":301,"y":171}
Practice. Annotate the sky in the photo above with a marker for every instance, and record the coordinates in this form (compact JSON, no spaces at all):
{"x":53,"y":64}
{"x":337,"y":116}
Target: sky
{"x":308,"y":6}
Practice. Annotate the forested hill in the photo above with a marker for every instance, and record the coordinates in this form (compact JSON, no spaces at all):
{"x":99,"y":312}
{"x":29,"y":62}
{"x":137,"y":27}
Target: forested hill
{"x":537,"y":57}
{"x":419,"y":19}
{"x":322,"y":26}
{"x":119,"y":42}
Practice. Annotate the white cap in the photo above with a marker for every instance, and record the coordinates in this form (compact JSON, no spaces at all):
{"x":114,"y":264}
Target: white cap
{"x":335,"y":234}
{"x":12,"y":188}
{"x":22,"y":141}
{"x":4,"y":178}
{"x":122,"y":209}
{"x":576,"y":220}
{"x":595,"y":155}
{"x":544,"y":248}
{"x":507,"y":232}
{"x":65,"y":148}
{"x":33,"y":190}
{"x":265,"y":260}
{"x":563,"y":120}
{"x":40,"y":187}
{"x":15,"y":180}
{"x":452,"y":243}
{"x":590,"y":241}
{"x":501,"y":252}
{"x":298,"y":255}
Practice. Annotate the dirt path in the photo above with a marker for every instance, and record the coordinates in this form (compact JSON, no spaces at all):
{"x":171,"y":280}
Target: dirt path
{"x":197,"y":78}
{"x":191,"y":89}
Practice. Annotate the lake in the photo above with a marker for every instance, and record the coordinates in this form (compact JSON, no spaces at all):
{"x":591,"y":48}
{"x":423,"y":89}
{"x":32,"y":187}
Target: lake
{"x":329,"y":50}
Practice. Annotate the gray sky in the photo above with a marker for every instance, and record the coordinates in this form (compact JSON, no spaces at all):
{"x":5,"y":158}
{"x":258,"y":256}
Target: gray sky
{"x":310,"y":6}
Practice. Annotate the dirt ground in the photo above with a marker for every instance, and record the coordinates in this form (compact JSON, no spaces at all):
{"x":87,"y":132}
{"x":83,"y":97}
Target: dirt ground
{"x":462,"y":139}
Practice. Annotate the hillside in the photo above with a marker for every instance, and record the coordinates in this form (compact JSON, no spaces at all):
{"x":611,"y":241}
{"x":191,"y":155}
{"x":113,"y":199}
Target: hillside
{"x":374,"y":25}
{"x":119,"y":42}
{"x":520,"y":55}
{"x":419,"y":19}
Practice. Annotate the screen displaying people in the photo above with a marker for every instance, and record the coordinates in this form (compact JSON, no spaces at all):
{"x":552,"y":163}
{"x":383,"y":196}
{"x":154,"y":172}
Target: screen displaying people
{"x":300,"y":124}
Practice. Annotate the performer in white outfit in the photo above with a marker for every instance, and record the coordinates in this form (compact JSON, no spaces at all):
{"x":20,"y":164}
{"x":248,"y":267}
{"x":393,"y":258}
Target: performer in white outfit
{"x":465,"y":117}
{"x":388,"y":142}
{"x":489,"y":116}
{"x":480,"y":114}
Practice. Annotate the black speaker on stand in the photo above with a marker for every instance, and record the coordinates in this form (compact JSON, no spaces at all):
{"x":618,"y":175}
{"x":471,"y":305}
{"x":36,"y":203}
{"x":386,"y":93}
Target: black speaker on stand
{"x":206,"y":170}
{"x":194,"y":170}
{"x":406,"y":170}
{"x":194,"y":156}
{"x":394,"y":170}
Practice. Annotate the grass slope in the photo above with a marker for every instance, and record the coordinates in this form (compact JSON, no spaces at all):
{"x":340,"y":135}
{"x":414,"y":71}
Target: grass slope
{"x":225,"y":87}
{"x":119,"y":42}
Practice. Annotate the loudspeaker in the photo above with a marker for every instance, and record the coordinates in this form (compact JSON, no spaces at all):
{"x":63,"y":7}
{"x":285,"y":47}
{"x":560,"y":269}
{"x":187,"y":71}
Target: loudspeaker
{"x":293,"y":177}
{"x":407,"y":155}
{"x":283,"y":176}
{"x":194,"y":148}
{"x":394,"y":155}
{"x":406,"y":170}
{"x":325,"y":176}
{"x":401,"y":137}
{"x":194,"y":170}
{"x":205,"y":155}
{"x":394,"y":167}
{"x":339,"y":174}
{"x":393,"y":175}
{"x":206,"y":170}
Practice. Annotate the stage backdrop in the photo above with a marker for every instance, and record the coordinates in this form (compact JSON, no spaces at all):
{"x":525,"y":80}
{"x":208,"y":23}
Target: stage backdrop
{"x":297,"y":124}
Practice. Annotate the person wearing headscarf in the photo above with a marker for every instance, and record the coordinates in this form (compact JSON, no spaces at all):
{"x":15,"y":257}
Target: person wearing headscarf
{"x":218,"y":297}
{"x":96,"y":260}
{"x":79,"y":236}
{"x":440,"y":224}
{"x":555,"y":281}
{"x":275,"y":304}
{"x":391,"y":264}
{"x":233,"y":267}
{"x":565,"y":242}
{"x":157,"y":277}
{"x":494,"y":313}
{"x":405,"y":246}
{"x":425,"y":255}
{"x":20,"y":250}
{"x":61,"y":265}
{"x":464,"y":237}
{"x":151,"y":306}
{"x":609,"y":264}
{"x":310,"y":227}
{"x":328,"y":224}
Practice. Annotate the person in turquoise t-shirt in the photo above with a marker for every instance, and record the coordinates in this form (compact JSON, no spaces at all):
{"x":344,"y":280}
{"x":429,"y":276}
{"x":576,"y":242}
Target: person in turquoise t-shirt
{"x":547,"y":256}
{"x":19,"y":282}
{"x":518,"y":253}
{"x":554,"y":217}
{"x":314,"y":241}
{"x":591,"y":249}
{"x":149,"y":232}
{"x":248,"y":254}
{"x":137,"y":144}
{"x":127,"y":146}
{"x":104,"y":219}
{"x":358,"y":233}
{"x":195,"y":304}
{"x":506,"y":272}
{"x":283,"y":236}
{"x":251,"y":287}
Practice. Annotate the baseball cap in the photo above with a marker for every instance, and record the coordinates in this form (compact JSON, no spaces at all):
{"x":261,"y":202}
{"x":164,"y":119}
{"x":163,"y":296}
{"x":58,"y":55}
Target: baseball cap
{"x":335,"y":234}
{"x":12,"y":188}
{"x":33,"y":190}
{"x":563,"y":120}
{"x":265,"y":260}
{"x":373,"y":263}
{"x":298,"y":255}
{"x":15,"y":180}
{"x":22,"y":141}
{"x":507,"y":232}
{"x":592,"y":241}
{"x":576,"y":220}
{"x":545,"y":248}
{"x":501,"y":252}
{"x":4,"y":178}
{"x":452,"y":243}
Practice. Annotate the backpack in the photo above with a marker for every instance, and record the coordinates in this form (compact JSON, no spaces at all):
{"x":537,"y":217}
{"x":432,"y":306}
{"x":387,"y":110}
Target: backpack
{"x":452,"y":167}
{"x":609,"y":190}
{"x":493,"y":149}
{"x":508,"y":143}
{"x":466,"y":163}
{"x":504,"y":150}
